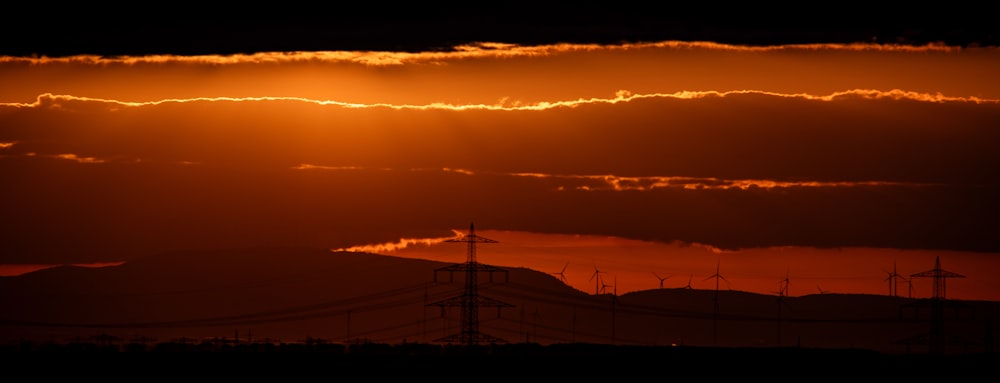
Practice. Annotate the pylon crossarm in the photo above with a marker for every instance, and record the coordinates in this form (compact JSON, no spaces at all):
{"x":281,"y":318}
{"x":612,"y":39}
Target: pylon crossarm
{"x":486,"y":268}
{"x":490,"y":302}
{"x":484,"y":338}
{"x":938,"y":274}
{"x":461,"y":301}
{"x":471,"y":266}
{"x":451,"y":269}
{"x":479,"y":267}
{"x":472,"y":238}
{"x":458,"y":301}
{"x":473,"y":338}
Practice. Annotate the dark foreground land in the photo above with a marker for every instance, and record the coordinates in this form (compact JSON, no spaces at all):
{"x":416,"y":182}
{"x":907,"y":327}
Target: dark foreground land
{"x":508,"y":363}
{"x":494,"y":360}
{"x":381,"y":328}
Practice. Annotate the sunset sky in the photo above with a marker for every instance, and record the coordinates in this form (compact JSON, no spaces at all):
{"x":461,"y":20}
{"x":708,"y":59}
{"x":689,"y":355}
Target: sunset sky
{"x":829,"y":163}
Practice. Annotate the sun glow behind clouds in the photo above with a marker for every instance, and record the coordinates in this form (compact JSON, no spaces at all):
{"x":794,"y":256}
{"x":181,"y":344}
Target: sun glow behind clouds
{"x":724,"y":146}
{"x":511,"y":77}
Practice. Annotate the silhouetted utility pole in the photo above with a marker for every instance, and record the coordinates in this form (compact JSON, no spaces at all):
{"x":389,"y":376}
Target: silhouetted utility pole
{"x":937,"y":303}
{"x":573,"y":339}
{"x":935,"y":338}
{"x":782,"y":293}
{"x":715,"y":302}
{"x":470,"y":300}
{"x":534,"y":325}
{"x":614,"y":312}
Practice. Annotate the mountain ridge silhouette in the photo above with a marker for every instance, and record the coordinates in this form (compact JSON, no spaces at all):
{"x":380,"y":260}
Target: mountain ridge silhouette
{"x":296,"y":295}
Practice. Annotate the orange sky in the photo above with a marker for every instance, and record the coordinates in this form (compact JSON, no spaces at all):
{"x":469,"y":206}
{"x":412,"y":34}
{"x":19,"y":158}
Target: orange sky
{"x":631,"y":265}
{"x":770,"y":153}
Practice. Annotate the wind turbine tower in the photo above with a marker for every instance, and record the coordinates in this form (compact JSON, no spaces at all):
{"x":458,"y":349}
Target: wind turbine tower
{"x":470,"y":300}
{"x":893,"y":280}
{"x":596,"y":277}
{"x":782,"y":293}
{"x":715,"y":310}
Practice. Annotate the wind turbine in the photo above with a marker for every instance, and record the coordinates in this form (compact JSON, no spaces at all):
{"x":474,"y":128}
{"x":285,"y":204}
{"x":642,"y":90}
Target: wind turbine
{"x":596,"y":277}
{"x":893,"y":279}
{"x":689,"y":282}
{"x":562,"y":277}
{"x":785,"y":284}
{"x":661,"y":278}
{"x":909,"y":287}
{"x":821,"y":291}
{"x":604,"y":286}
{"x":715,"y":311}
{"x":717,"y":277}
{"x":782,"y":293}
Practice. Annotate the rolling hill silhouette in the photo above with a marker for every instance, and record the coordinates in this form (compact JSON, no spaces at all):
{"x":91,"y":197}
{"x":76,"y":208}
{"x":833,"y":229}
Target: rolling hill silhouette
{"x":314,"y":296}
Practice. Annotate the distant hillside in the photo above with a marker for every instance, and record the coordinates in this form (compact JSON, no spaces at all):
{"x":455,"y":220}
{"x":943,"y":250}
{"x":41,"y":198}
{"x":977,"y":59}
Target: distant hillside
{"x":314,"y":296}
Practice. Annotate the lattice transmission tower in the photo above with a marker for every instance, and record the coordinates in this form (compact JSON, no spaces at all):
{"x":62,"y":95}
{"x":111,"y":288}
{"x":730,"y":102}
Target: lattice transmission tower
{"x":936,"y":338}
{"x":470,"y":301}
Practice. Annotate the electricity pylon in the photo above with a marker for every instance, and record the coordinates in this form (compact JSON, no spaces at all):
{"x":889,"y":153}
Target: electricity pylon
{"x":470,"y":300}
{"x":935,"y":338}
{"x":937,"y":303}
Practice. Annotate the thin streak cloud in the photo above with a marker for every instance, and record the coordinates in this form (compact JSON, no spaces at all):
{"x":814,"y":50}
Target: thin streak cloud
{"x":604,"y":182}
{"x":483,"y":50}
{"x":66,"y":102}
{"x":399,"y":245}
{"x":80,"y":159}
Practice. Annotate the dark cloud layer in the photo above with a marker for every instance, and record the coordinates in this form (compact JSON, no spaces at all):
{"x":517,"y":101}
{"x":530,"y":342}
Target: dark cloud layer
{"x":210,"y":175}
{"x":193,"y":30}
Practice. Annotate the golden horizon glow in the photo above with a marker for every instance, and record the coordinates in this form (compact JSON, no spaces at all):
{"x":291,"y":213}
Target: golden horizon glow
{"x":681,"y":265}
{"x":684,"y":265}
